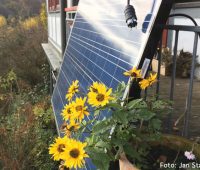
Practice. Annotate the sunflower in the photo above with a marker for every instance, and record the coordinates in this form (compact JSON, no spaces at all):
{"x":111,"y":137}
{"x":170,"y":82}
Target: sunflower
{"x":57,"y":148}
{"x":144,"y":84}
{"x":152,"y":79}
{"x":74,"y":154}
{"x":72,"y":90}
{"x":79,"y":109}
{"x":64,"y":129}
{"x":61,"y":167}
{"x":133,"y":73}
{"x":67,"y":129}
{"x":73,"y":126}
{"x":67,"y":112}
{"x":101,"y":97}
{"x":94,"y":87}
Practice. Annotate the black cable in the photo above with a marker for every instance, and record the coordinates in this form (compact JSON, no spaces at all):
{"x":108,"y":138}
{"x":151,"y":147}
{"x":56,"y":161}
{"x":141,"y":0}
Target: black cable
{"x":130,"y":15}
{"x":186,"y":16}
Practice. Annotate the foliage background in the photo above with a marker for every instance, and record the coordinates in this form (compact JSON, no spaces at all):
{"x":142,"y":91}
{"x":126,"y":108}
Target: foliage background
{"x":20,"y":48}
{"x":27,"y":125}
{"x":20,"y":8}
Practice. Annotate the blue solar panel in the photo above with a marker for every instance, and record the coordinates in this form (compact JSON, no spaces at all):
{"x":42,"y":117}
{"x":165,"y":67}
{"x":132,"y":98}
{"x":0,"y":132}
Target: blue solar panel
{"x":101,"y":47}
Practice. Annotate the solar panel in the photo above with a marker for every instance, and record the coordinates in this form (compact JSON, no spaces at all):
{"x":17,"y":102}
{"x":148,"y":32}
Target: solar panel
{"x":101,"y":47}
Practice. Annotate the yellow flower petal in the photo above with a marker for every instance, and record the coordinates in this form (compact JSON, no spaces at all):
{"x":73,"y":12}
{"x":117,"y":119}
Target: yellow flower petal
{"x":144,"y":84}
{"x":133,"y":73}
{"x":74,"y":154}
{"x":67,"y":112}
{"x":73,"y":89}
{"x":57,"y":148}
{"x":100,"y":97}
{"x":79,"y":109}
{"x":153,"y":78}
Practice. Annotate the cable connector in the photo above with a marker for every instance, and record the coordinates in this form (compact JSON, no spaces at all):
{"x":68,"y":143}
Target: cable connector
{"x":130,"y":16}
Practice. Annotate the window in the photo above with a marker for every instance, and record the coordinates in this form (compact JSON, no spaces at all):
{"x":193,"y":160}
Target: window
{"x":54,"y":5}
{"x":75,"y":3}
{"x":71,"y":9}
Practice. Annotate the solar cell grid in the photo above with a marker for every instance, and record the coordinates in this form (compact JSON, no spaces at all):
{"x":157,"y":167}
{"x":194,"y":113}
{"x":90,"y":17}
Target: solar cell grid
{"x":101,"y":47}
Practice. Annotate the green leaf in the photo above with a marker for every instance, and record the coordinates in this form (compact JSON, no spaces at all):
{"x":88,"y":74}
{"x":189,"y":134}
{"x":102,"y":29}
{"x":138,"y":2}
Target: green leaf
{"x":84,"y":122}
{"x":101,"y":165}
{"x":156,"y":124}
{"x":137,"y":103}
{"x":103,"y":144}
{"x":160,"y":104}
{"x":92,"y":139}
{"x":130,"y":151}
{"x":114,"y":105}
{"x":121,"y":116}
{"x":99,"y":157}
{"x":119,"y":92}
{"x":96,"y":112}
{"x":121,"y":87}
{"x":102,"y":126}
{"x":119,"y":152}
{"x":117,"y":142}
{"x":144,"y":114}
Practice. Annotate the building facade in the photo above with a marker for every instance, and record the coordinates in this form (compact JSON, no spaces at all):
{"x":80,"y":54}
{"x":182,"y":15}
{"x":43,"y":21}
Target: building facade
{"x":60,"y":19}
{"x":61,"y":14}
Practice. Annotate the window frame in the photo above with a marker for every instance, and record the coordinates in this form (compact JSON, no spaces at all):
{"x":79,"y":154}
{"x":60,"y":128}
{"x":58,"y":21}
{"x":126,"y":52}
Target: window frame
{"x":53,"y":5}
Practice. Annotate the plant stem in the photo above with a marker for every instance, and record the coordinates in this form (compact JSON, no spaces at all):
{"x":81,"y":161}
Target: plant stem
{"x":141,"y":124}
{"x":176,"y":157}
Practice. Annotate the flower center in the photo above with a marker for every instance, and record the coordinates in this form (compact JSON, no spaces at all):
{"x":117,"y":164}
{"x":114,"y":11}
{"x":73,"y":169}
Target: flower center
{"x":133,"y":74}
{"x":100,"y":97}
{"x":69,"y":111}
{"x":63,"y":126}
{"x":74,"y":153}
{"x":94,"y":90}
{"x":61,"y":148}
{"x":74,"y":89}
{"x":79,"y":108}
{"x":72,"y":128}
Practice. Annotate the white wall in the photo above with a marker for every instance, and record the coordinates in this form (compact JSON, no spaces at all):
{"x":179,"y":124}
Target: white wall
{"x":54,"y":29}
{"x":186,"y":39}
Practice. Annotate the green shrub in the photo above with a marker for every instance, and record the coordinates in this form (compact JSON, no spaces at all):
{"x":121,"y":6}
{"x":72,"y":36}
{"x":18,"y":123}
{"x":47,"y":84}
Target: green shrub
{"x":21,"y":50}
{"x":27,"y":126}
